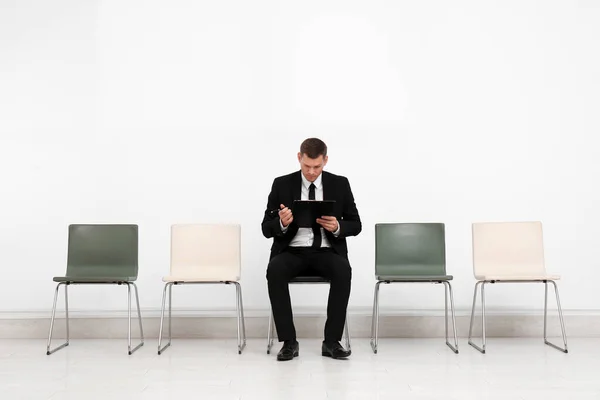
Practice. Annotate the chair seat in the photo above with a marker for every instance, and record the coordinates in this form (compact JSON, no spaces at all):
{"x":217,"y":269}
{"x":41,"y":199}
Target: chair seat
{"x":94,"y":279}
{"x":309,"y":279}
{"x":414,"y":278}
{"x":540,"y":277}
{"x":203,"y":278}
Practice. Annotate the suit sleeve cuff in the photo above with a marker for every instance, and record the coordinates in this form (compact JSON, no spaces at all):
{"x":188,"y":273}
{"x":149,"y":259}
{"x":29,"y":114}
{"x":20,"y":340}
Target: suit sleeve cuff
{"x":283,"y":228}
{"x":337,"y":231}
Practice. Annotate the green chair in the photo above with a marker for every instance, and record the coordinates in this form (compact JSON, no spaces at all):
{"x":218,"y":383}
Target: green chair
{"x":100,"y":255}
{"x":411,"y":253}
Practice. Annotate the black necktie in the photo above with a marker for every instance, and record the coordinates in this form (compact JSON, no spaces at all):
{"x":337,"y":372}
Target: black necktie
{"x":316,"y":227}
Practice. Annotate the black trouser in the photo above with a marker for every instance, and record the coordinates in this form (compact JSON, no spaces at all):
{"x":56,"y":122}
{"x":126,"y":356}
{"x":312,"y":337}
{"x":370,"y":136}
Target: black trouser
{"x":303,"y":261}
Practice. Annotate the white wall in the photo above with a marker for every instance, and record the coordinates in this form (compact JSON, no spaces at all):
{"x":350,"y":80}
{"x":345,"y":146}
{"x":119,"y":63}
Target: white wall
{"x":161,"y":112}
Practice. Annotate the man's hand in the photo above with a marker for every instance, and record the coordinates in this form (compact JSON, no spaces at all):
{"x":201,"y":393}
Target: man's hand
{"x":285,"y":215}
{"x":328,"y":223}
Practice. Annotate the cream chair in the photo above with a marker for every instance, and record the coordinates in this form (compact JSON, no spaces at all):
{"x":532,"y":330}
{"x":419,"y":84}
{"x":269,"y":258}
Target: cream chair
{"x":202,"y":254}
{"x":511,"y":252}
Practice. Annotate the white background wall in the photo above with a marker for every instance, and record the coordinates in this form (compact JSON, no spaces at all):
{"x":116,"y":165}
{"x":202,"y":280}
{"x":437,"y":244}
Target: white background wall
{"x":162,"y":112}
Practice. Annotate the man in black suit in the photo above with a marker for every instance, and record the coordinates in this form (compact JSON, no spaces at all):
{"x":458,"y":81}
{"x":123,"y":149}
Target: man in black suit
{"x":320,"y":250}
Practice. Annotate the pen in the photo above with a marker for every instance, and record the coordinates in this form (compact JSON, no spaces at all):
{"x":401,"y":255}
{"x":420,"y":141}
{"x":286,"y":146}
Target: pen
{"x":275,"y":211}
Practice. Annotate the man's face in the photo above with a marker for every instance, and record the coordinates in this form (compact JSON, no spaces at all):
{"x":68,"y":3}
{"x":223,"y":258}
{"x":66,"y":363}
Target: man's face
{"x":311,"y":167}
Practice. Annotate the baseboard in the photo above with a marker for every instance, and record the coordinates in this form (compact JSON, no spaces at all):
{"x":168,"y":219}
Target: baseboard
{"x":309,"y":324}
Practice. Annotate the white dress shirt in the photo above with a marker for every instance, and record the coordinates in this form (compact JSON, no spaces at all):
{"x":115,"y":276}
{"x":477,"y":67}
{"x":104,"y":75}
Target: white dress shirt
{"x":305,"y":237}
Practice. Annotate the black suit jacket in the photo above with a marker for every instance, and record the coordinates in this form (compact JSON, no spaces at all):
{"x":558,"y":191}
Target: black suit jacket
{"x":288,"y":188}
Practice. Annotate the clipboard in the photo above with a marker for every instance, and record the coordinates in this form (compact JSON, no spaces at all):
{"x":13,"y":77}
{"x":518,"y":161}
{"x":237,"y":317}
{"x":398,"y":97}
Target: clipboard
{"x":306,"y":212}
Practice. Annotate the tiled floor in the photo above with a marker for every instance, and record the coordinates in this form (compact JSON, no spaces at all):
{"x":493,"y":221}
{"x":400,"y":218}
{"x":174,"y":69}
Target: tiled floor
{"x":523,"y":369}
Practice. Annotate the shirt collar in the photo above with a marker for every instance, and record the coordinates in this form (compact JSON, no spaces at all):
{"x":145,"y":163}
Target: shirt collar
{"x":317,"y":181}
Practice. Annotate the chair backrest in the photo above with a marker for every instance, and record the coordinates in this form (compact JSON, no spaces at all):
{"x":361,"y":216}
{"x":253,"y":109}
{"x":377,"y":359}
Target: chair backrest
{"x":206,"y":251}
{"x":103,"y":251}
{"x":508,"y":248}
{"x":410,"y":249}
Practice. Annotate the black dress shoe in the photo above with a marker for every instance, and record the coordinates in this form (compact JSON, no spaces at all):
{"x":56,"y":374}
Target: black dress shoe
{"x":334,"y":350}
{"x":288,"y":351}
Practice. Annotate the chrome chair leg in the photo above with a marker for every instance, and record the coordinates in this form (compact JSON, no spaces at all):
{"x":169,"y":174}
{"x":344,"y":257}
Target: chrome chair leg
{"x":448,"y":289}
{"x":347,"y":334}
{"x":270,"y":333}
{"x":560,"y":316}
{"x":482,"y":284}
{"x":166,"y":289}
{"x":137,"y":301}
{"x":241,"y":326}
{"x":375,"y":319}
{"x":48,"y":351}
{"x":130,"y":351}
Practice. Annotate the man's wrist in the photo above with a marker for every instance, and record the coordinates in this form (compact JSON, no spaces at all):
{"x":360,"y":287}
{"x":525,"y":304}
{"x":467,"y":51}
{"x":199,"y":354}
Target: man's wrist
{"x":283,"y":228}
{"x":336,"y":233}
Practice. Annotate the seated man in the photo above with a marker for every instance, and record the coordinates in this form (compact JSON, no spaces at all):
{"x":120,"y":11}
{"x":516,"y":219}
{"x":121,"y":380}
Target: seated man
{"x":320,"y":250}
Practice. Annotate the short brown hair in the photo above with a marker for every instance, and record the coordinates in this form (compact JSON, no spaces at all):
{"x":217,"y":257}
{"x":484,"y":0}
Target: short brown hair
{"x":313,"y":148}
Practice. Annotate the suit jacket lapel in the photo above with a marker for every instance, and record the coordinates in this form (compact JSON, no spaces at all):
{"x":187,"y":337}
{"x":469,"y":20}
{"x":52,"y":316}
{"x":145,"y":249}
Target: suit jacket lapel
{"x":328,"y":193}
{"x":296,"y":187}
{"x":327,"y":189}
